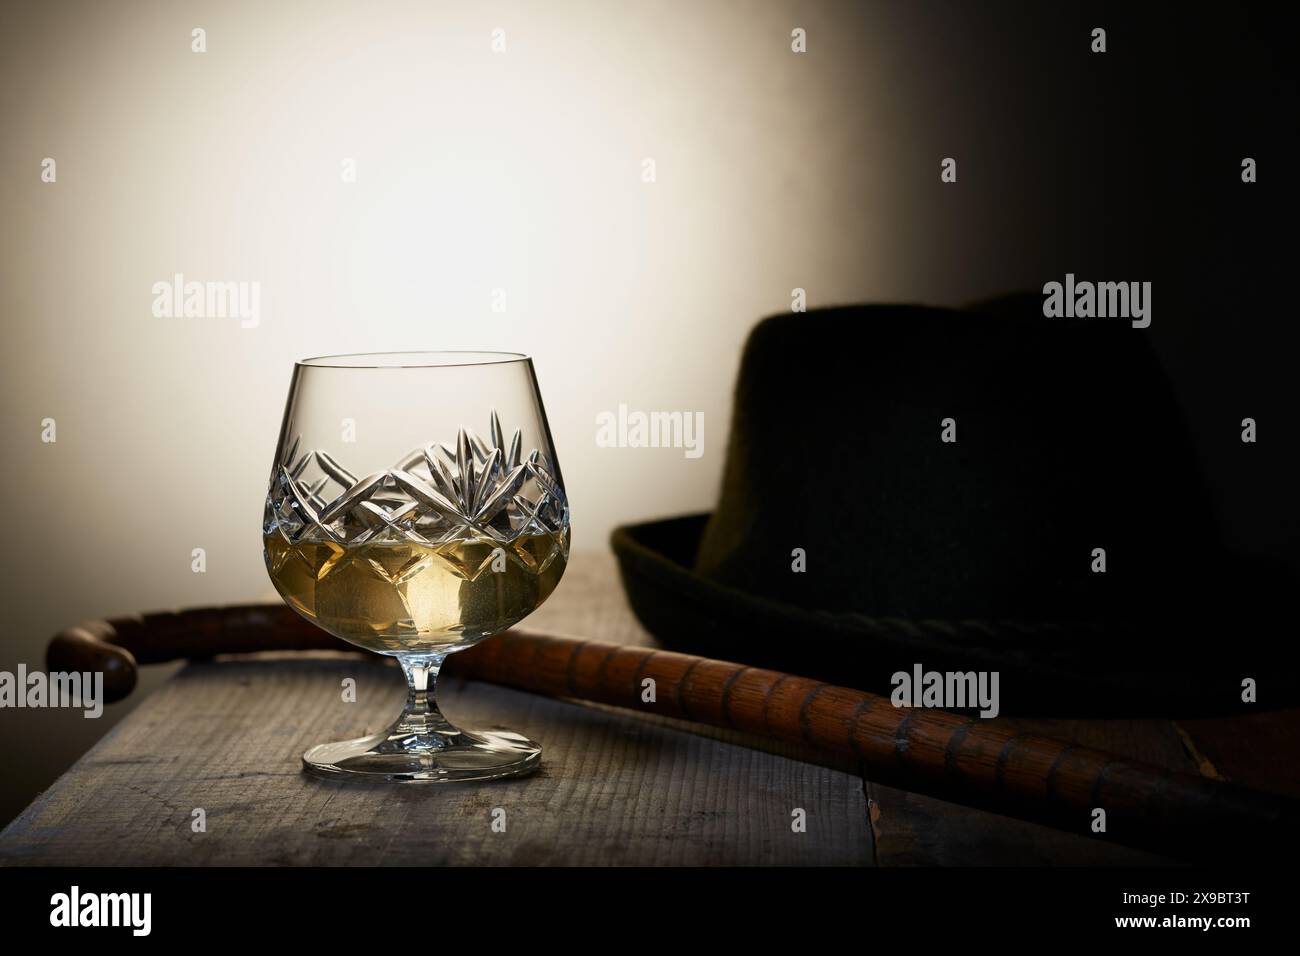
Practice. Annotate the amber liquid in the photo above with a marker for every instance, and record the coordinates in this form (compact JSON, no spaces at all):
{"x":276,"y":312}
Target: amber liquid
{"x":407,"y":598}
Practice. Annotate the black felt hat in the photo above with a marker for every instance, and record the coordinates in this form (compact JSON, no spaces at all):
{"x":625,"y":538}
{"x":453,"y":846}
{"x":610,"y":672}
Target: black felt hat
{"x":974,"y":554}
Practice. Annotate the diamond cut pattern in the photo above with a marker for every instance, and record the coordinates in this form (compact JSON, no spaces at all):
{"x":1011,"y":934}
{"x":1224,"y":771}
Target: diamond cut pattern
{"x":434,"y":496}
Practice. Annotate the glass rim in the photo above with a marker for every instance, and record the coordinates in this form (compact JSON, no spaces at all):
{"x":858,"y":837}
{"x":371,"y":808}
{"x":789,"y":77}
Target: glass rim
{"x":431,"y":358}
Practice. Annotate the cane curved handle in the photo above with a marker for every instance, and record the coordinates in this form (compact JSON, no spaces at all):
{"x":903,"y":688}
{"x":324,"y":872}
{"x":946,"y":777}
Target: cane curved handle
{"x":118,"y":646}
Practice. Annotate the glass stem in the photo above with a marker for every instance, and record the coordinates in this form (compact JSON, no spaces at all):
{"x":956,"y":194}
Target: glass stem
{"x":421,"y":716}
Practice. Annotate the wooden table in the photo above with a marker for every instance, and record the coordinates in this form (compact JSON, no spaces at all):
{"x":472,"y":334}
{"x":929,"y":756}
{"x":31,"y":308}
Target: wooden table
{"x":615,"y":788}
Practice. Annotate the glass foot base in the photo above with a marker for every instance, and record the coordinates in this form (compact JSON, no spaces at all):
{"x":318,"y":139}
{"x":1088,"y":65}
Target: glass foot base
{"x":425,"y":758}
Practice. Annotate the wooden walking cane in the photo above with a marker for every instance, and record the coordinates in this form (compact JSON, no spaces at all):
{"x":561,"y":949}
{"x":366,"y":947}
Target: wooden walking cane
{"x":960,"y":759}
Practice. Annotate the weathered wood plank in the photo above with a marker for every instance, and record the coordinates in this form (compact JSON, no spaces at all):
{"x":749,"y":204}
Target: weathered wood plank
{"x":913,"y":830}
{"x":1255,"y":750}
{"x":227,"y":736}
{"x":615,"y":787}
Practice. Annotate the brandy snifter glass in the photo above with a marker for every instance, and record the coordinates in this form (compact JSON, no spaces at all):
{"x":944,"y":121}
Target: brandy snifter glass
{"x":415,"y":508}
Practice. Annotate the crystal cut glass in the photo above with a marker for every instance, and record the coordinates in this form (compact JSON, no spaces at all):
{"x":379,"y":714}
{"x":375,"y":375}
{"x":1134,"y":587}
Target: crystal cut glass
{"x":396,"y":524}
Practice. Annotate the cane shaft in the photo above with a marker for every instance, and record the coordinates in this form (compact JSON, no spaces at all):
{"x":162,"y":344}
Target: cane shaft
{"x":960,"y":759}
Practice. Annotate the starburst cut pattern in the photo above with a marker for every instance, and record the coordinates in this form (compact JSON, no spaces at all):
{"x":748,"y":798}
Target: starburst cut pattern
{"x":462,"y":501}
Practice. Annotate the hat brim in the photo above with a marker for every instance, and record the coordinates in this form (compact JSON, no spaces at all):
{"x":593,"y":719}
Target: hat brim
{"x":1065,"y":676}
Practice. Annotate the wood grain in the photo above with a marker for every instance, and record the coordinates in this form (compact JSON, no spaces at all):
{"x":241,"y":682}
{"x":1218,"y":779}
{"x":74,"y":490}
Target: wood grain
{"x":911,"y":829}
{"x":1256,"y":750}
{"x":914,"y":830}
{"x":227,"y":737}
{"x":614,"y":788}
{"x":962,"y":759}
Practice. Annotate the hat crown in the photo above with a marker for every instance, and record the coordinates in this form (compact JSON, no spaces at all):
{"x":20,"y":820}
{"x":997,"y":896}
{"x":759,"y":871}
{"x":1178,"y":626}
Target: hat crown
{"x":1063,"y":438}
